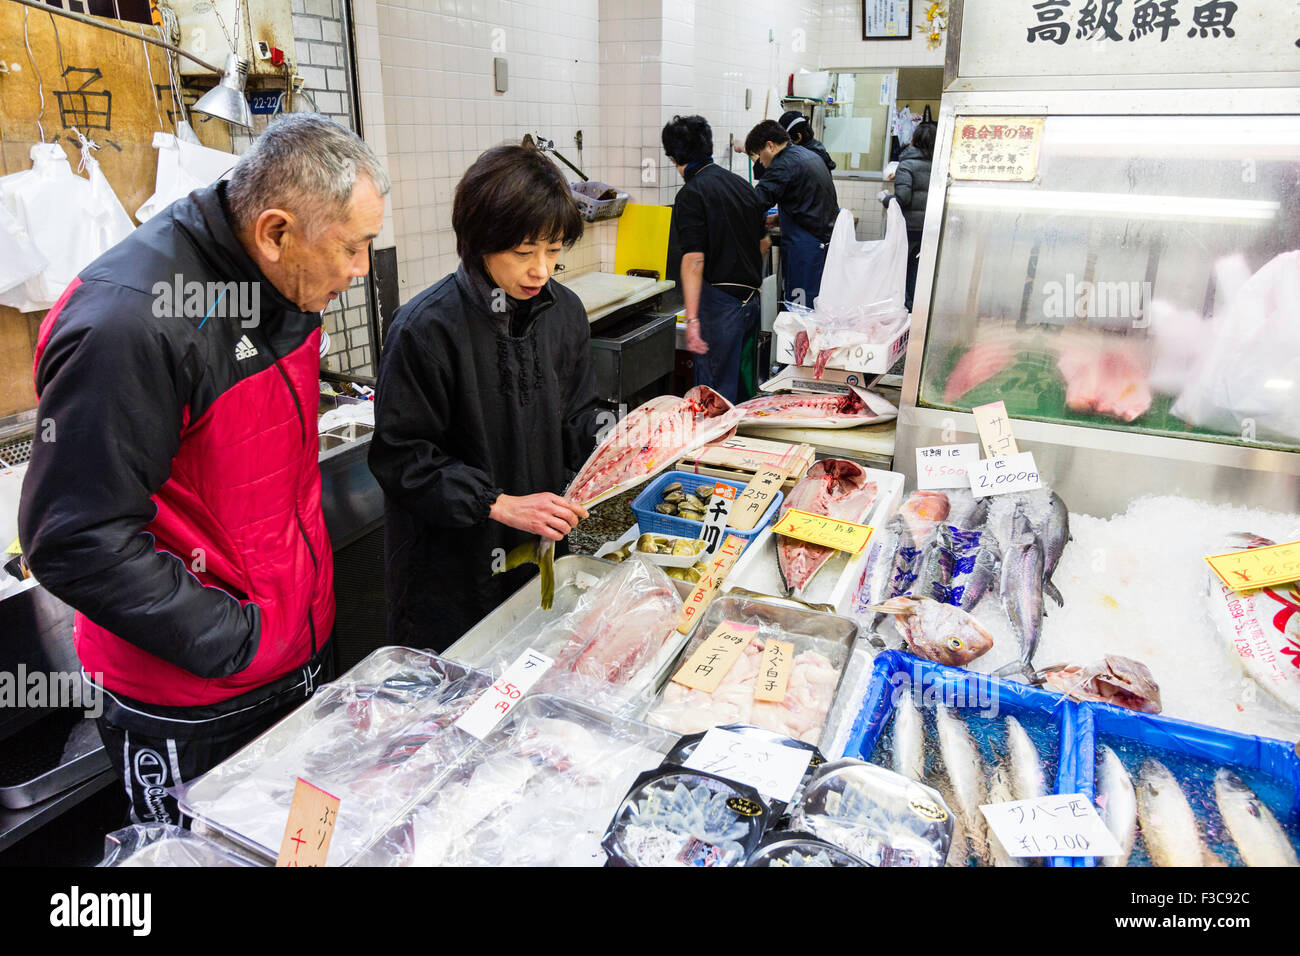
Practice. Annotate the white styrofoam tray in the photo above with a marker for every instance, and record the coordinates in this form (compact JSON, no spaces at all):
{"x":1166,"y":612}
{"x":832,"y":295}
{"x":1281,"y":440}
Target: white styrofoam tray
{"x":663,"y":560}
{"x":757,"y":569}
{"x":875,"y":359}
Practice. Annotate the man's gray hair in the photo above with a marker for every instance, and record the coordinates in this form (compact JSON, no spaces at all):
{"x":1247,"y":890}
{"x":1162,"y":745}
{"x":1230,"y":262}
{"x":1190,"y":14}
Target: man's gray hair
{"x":306,"y":164}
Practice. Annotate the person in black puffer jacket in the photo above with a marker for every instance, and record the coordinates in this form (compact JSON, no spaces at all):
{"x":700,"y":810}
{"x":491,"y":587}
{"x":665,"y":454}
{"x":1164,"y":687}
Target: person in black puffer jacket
{"x":911,"y":189}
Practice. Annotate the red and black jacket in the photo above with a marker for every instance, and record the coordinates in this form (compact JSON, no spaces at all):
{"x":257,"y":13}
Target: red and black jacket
{"x":173,"y":494}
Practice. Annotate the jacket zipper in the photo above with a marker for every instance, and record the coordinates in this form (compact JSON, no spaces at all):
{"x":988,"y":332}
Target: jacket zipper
{"x":302,"y":423}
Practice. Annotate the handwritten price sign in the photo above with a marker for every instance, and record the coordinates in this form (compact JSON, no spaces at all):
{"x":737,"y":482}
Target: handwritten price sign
{"x":1062,"y":825}
{"x":310,"y":827}
{"x":945,"y":466}
{"x":998,"y":476}
{"x":1258,"y":567}
{"x":498,"y":700}
{"x":827,"y":532}
{"x":772,"y":770}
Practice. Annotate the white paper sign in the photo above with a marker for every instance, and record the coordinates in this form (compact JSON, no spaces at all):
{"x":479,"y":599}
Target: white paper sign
{"x":716,"y":515}
{"x":499,"y":699}
{"x":945,"y":466}
{"x":1063,"y":825}
{"x":772,"y":770}
{"x":997,"y":476}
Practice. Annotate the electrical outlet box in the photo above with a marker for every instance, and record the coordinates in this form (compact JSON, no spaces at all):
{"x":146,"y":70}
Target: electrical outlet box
{"x":500,"y":73}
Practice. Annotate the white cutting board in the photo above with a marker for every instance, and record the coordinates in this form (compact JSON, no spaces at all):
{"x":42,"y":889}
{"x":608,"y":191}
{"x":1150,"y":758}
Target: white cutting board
{"x":600,"y":289}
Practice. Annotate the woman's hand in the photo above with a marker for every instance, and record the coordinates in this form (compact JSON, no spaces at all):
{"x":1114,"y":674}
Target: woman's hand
{"x":543,"y":514}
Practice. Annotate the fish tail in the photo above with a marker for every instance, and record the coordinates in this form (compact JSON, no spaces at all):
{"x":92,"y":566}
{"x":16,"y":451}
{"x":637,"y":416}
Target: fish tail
{"x":1054,"y":593}
{"x":546,"y":569}
{"x":1016,"y":668}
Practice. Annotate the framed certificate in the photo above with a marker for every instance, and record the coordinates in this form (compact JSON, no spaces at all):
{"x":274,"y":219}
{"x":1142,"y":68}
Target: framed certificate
{"x":886,"y":19}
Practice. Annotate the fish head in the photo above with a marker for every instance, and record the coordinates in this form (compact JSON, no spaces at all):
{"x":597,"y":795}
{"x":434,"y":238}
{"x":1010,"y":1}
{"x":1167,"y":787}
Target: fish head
{"x":708,"y":402}
{"x":837,"y":471}
{"x":944,"y":633}
{"x":1155,"y":777}
{"x":1128,"y":683}
{"x":930,"y":506}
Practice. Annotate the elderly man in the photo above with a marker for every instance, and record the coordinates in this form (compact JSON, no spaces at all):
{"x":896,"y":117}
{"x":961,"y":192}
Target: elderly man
{"x":173,"y":497}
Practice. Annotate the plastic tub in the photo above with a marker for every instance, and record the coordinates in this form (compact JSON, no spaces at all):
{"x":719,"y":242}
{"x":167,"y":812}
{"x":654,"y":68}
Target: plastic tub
{"x":593,"y":209}
{"x":650,"y":520}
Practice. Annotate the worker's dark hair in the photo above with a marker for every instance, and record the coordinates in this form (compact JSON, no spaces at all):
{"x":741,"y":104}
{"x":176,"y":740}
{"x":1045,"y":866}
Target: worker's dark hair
{"x":687,"y":139}
{"x":923,"y":139}
{"x":796,"y":124}
{"x":512,"y":195}
{"x":768,"y":131}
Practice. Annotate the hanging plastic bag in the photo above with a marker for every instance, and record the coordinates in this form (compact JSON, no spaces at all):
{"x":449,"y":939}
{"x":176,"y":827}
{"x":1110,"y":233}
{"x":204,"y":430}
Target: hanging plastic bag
{"x":182,"y":168}
{"x":20,"y":260}
{"x":1247,"y":384}
{"x":862,"y":291}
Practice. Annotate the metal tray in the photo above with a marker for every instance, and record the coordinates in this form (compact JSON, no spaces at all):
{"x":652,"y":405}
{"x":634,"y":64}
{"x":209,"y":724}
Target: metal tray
{"x":246,"y":798}
{"x":56,"y":754}
{"x":799,"y":623}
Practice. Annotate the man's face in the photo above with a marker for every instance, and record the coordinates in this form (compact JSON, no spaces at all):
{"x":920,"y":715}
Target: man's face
{"x":523,"y":270}
{"x":768,"y":153}
{"x":314,"y":269}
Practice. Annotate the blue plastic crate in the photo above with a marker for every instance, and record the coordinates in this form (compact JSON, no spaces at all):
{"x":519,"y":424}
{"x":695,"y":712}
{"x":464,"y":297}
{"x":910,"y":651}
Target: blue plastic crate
{"x":967,"y":692}
{"x":652,"y":522}
{"x":1268,"y":766}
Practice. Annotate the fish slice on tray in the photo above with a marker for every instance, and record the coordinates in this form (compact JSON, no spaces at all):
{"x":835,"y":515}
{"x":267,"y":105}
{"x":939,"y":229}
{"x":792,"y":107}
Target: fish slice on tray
{"x":832,"y":487}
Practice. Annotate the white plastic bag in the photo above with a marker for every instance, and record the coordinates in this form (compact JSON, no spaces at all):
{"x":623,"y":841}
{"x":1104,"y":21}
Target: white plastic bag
{"x":1247,"y":383}
{"x":20,"y":260}
{"x":182,"y":168}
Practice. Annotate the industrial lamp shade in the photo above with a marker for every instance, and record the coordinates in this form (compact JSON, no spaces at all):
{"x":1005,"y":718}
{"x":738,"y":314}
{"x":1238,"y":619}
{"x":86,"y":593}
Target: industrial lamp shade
{"x":226,"y":100}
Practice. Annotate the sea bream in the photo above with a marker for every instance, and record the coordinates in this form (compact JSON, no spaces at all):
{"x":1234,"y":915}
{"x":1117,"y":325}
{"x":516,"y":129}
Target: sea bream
{"x":832,"y":487}
{"x":1112,"y":680}
{"x":1021,"y":590}
{"x":1256,"y":832}
{"x":648,"y":440}
{"x":937,"y":632}
{"x":1117,"y":803}
{"x":815,"y":410}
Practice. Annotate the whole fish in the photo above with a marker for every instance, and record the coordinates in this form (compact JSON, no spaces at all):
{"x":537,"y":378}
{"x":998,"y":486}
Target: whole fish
{"x":648,"y":440}
{"x":889,"y":573}
{"x":983,"y":574}
{"x":961,"y":761}
{"x":1001,"y":791}
{"x":1168,"y":824}
{"x":909,"y":737}
{"x":1054,"y":537}
{"x":1021,"y":590}
{"x":938,"y":632}
{"x":803,"y":409}
{"x":1117,"y":803}
{"x":1259,"y":838}
{"x":833,"y":487}
{"x":965,"y":511}
{"x":936,"y":568}
{"x":1027,"y":779}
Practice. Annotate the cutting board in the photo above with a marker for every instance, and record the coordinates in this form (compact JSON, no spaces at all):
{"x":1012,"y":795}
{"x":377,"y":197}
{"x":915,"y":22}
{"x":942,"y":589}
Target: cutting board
{"x":642,"y":241}
{"x":600,"y":289}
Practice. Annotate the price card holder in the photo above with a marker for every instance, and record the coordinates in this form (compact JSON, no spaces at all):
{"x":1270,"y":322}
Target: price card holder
{"x":827,"y":532}
{"x":499,"y":699}
{"x":715,"y":656}
{"x":774,"y":672}
{"x":945,"y":466}
{"x":719,"y":567}
{"x":1258,"y":567}
{"x":1061,"y":825}
{"x":997,"y":476}
{"x":307,"y":834}
{"x":757,"y":497}
{"x":772,"y":770}
{"x":994,"y":426}
{"x":717,"y":514}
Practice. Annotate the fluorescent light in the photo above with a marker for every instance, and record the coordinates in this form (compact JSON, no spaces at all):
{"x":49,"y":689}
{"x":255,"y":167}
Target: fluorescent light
{"x":1126,"y":205}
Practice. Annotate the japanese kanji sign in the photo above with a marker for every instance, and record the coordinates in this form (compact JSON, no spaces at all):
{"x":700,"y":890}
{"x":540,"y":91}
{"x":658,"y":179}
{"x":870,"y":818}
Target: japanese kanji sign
{"x":715,"y":656}
{"x":774,"y":671}
{"x":1258,"y":567}
{"x":312,"y":815}
{"x":752,"y":503}
{"x":1000,"y":148}
{"x":1061,"y":825}
{"x":499,"y":699}
{"x":717,"y":571}
{"x":945,"y":466}
{"x":827,"y":532}
{"x":995,"y":429}
{"x":717,"y":516}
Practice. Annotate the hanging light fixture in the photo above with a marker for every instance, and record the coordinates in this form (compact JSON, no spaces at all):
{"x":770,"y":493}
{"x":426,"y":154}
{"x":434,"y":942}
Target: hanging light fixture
{"x":226,"y":100}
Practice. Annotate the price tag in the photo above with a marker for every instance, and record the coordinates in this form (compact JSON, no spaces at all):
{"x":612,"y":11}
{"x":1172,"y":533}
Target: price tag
{"x":772,"y":770}
{"x":997,"y":476}
{"x":827,"y":532}
{"x":307,"y":834}
{"x":498,"y":700}
{"x":995,"y":429}
{"x":945,"y":466}
{"x":712,"y":579}
{"x":754,"y":501}
{"x":715,"y":656}
{"x":717,"y":513}
{"x":1062,"y":825}
{"x":774,"y":672}
{"x":1258,"y":567}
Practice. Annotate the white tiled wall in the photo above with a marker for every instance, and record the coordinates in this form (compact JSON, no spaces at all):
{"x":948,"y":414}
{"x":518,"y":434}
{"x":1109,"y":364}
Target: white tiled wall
{"x":840,"y":44}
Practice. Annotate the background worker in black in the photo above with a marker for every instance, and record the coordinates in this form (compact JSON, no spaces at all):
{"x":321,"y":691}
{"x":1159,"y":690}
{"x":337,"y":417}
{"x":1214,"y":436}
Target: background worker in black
{"x":719,"y":224}
{"x":800,"y":185}
{"x":801,"y":134}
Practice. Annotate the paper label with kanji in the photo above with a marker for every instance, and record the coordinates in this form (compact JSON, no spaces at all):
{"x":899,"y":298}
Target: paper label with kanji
{"x":945,"y":466}
{"x":499,"y":699}
{"x":717,"y":514}
{"x":719,"y":566}
{"x":752,"y":503}
{"x":774,"y":671}
{"x":1060,"y":825}
{"x":307,"y":834}
{"x":994,"y":426}
{"x":998,"y":476}
{"x":771,"y":769}
{"x":1258,"y":567}
{"x":715,"y":656}
{"x":827,"y":532}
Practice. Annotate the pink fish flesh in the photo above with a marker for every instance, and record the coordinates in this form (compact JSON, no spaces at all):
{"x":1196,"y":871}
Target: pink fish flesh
{"x":922,"y":511}
{"x":832,"y":487}
{"x":979,"y":364}
{"x":796,"y":406}
{"x":1104,"y":381}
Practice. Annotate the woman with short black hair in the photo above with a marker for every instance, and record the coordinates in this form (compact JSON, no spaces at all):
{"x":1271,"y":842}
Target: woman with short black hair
{"x":486,"y":401}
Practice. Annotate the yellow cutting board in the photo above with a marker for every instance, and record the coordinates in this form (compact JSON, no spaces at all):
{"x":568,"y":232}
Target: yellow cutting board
{"x":643,"y":239}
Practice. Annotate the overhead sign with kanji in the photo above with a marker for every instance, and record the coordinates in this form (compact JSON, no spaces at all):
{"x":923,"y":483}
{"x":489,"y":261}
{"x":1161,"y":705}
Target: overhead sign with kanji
{"x":1126,"y":37}
{"x":999,"y":148}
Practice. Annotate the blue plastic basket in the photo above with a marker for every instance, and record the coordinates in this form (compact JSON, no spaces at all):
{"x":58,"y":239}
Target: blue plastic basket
{"x":651,"y":521}
{"x":1274,"y":760}
{"x":966,"y":691}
